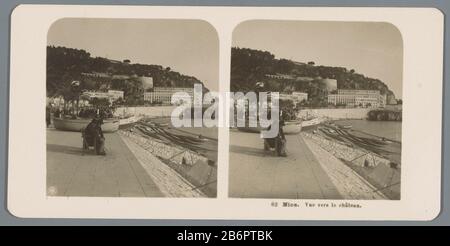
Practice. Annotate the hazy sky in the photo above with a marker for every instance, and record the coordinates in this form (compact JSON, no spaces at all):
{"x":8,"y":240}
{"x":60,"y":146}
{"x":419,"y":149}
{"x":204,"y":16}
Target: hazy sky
{"x":372,"y":49}
{"x":190,"y":47}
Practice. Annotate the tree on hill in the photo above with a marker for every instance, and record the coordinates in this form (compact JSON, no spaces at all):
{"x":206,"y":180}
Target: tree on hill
{"x":66,"y":64}
{"x":249,"y":66}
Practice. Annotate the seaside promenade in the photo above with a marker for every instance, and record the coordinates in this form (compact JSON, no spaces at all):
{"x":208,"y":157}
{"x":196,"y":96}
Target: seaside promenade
{"x":72,"y":172}
{"x":308,"y":171}
{"x":255,"y":173}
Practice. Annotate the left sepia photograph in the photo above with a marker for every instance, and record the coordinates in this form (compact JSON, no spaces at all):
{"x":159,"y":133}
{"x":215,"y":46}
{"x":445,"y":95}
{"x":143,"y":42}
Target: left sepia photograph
{"x":110,"y":108}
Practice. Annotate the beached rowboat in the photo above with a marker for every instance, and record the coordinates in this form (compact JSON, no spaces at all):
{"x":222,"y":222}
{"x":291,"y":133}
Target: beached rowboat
{"x":109,"y":125}
{"x":292,"y":127}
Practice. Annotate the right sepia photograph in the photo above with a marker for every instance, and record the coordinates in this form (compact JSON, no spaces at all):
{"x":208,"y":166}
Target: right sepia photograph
{"x":339,"y":91}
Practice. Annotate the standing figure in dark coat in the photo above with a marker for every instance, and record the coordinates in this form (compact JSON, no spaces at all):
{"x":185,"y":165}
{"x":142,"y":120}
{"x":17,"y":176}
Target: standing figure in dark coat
{"x":93,"y":136}
{"x":48,"y":112}
{"x":278,"y":142}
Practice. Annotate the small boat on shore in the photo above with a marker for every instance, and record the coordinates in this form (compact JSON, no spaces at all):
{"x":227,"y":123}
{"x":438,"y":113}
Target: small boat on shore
{"x":346,"y":127}
{"x":310,"y":123}
{"x":128,"y":120}
{"x":68,"y":124}
{"x":292,"y":127}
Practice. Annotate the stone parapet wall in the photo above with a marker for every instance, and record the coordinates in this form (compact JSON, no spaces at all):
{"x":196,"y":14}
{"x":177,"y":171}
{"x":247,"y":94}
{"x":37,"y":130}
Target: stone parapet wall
{"x":356,"y":156}
{"x":147,"y":111}
{"x":336,"y":113}
{"x":175,"y":154}
{"x":168,"y":181}
{"x":348,"y":182}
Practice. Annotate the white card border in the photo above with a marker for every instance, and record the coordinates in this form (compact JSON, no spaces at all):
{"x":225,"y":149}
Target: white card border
{"x":422,"y":32}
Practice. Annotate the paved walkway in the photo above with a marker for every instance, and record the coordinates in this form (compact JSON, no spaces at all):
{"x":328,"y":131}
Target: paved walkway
{"x":348,"y":182}
{"x":169,"y":182}
{"x":255,"y":173}
{"x":70,"y":172}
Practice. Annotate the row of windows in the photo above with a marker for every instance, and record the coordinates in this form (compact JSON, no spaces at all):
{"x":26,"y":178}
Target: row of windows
{"x":172,"y":89}
{"x":359,"y":92}
{"x":353,"y":99}
{"x":167,"y":98}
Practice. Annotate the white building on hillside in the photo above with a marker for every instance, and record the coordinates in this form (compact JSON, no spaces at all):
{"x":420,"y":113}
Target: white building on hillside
{"x":115,"y":94}
{"x":358,"y":98}
{"x":300,"y":96}
{"x":111,"y":95}
{"x":295,"y":97}
{"x":164,"y":94}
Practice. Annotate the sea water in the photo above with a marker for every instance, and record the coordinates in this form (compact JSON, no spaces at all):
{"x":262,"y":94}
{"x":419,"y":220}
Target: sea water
{"x":387,"y":129}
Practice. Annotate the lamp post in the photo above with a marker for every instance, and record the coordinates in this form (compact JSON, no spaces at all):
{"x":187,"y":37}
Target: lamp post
{"x":76,"y":90}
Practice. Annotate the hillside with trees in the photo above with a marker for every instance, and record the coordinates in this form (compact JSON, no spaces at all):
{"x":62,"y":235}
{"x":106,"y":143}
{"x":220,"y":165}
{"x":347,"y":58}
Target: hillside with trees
{"x":65,"y":65}
{"x":249,"y":66}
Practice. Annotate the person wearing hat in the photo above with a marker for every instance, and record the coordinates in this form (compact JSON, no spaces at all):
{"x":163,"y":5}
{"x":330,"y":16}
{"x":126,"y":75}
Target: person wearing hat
{"x":280,"y":138}
{"x":48,"y":113}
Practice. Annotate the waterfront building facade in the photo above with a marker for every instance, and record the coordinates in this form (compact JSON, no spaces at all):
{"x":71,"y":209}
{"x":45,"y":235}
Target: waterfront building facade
{"x":280,"y":76}
{"x":164,"y":95}
{"x":358,"y":98}
{"x":299,"y":96}
{"x":115,"y":94}
{"x":295,"y":96}
{"x":111,"y":95}
{"x":96,"y":94}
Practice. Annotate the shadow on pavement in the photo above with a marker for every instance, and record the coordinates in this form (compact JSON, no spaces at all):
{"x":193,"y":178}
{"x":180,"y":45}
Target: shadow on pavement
{"x":69,"y":150}
{"x":247,"y":150}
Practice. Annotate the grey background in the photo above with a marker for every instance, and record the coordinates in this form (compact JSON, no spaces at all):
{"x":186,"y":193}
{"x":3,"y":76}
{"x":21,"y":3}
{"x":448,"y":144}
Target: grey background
{"x":6,"y":7}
